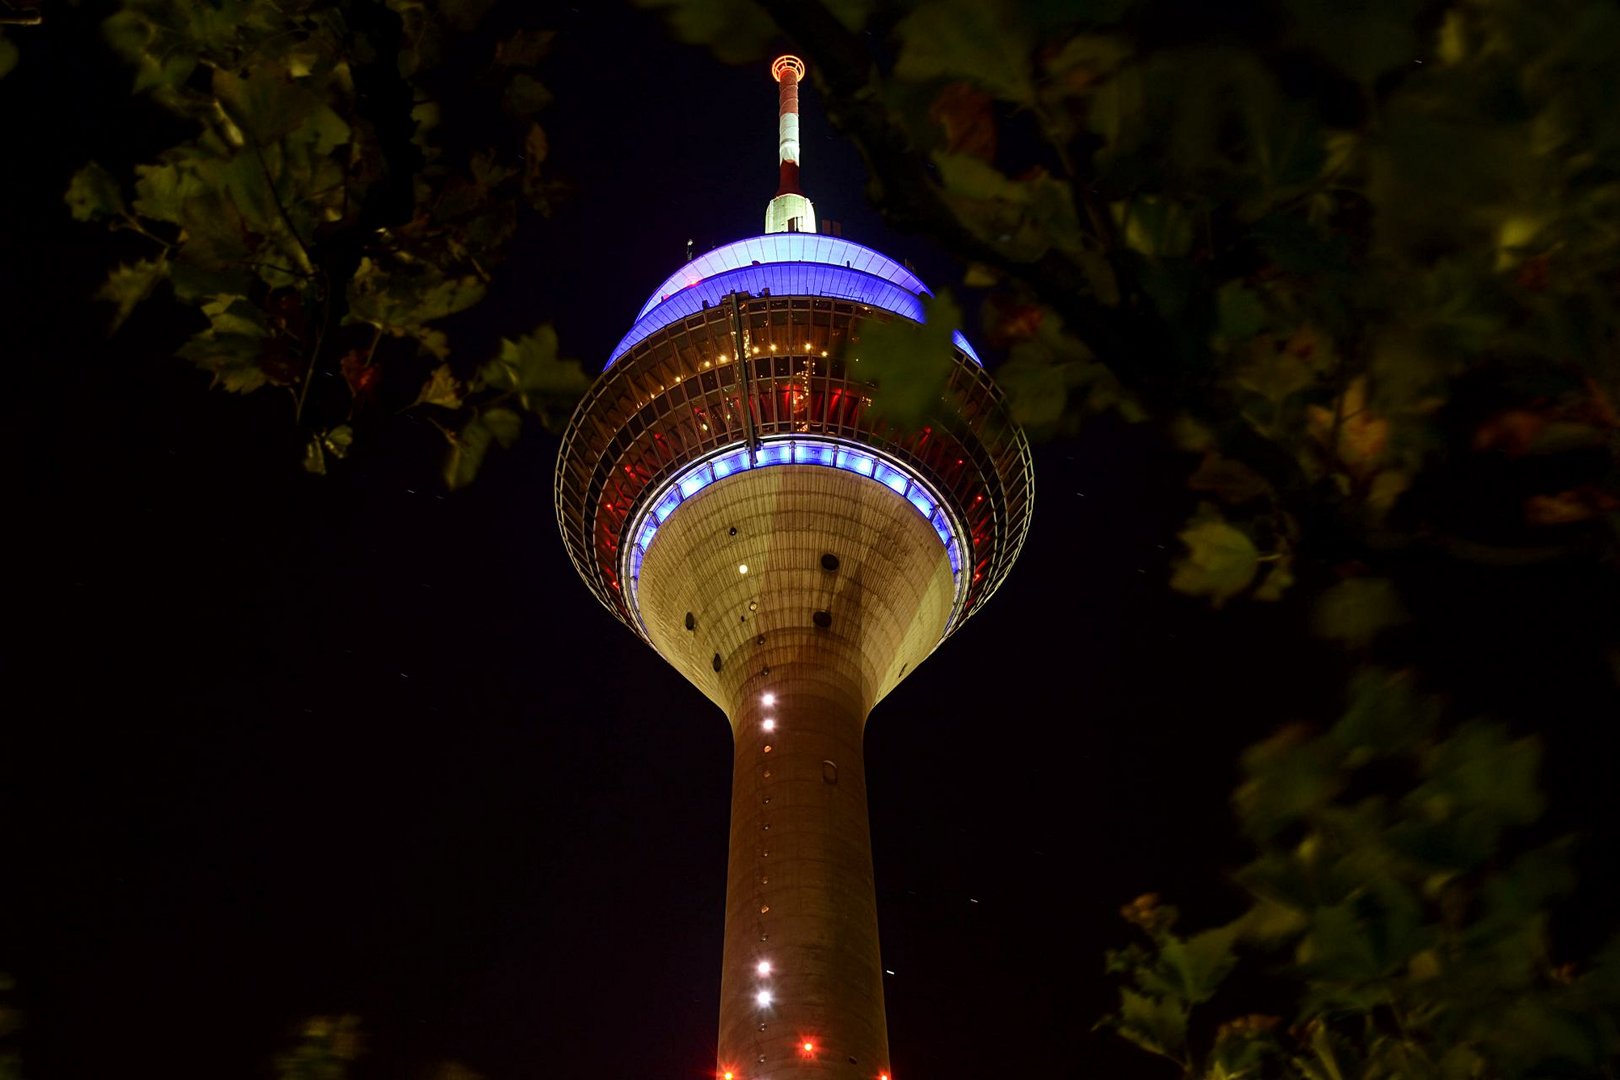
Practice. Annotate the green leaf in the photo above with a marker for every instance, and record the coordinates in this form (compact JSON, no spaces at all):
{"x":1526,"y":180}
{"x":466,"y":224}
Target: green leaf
{"x":909,"y":363}
{"x":983,"y":41}
{"x":1385,"y":715}
{"x":1479,"y":770}
{"x":1220,"y":561}
{"x":504,"y":424}
{"x":442,"y":388}
{"x":1024,"y":218}
{"x":401,"y":297}
{"x":93,"y":194}
{"x":1201,"y":961}
{"x":736,"y":31}
{"x":1153,"y":1023}
{"x":314,"y":456}
{"x":1035,"y":387}
{"x":546,"y":385}
{"x":130,"y":284}
{"x":525,"y":95}
{"x":338,"y":440}
{"x":1155,"y":227}
{"x":1286,"y":777}
{"x":1239,"y":315}
{"x":467,"y":449}
{"x":1357,"y":610}
{"x":234,"y":347}
{"x":164,"y":191}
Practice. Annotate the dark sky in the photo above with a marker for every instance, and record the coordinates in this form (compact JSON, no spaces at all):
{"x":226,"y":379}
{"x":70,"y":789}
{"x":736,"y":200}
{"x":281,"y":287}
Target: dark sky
{"x":288,"y":745}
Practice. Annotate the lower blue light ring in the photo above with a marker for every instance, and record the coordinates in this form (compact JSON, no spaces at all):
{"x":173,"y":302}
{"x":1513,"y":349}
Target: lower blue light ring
{"x":791,"y":450}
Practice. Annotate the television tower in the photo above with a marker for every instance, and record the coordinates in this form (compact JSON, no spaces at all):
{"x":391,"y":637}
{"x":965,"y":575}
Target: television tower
{"x":727,"y":492}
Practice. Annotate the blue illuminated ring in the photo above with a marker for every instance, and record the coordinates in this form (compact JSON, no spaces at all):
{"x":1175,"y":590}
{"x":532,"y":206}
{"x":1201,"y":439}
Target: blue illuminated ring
{"x":780,"y":279}
{"x":791,"y":450}
{"x":787,"y":247}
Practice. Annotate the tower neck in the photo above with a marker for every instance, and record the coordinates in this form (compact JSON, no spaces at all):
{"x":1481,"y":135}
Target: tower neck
{"x":801,"y":986}
{"x":789,"y":211}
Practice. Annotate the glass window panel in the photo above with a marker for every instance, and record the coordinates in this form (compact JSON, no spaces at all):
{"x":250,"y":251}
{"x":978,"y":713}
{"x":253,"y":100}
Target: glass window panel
{"x":667,"y":506}
{"x":697,"y":481}
{"x":815,"y":453}
{"x":856,"y":463}
{"x":893,"y":478}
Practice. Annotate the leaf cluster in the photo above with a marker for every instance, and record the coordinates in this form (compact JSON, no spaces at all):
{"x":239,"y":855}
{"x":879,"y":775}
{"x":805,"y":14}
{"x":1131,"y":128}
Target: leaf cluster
{"x":311,"y":219}
{"x":1399,"y":897}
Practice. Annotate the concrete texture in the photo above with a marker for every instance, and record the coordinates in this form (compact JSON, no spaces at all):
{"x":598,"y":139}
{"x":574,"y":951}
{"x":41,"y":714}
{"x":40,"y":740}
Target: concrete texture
{"x":800,"y":889}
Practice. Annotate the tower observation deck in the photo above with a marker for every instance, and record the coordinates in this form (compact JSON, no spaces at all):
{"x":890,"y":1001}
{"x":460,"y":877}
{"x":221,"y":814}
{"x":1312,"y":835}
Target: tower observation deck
{"x":727,"y":492}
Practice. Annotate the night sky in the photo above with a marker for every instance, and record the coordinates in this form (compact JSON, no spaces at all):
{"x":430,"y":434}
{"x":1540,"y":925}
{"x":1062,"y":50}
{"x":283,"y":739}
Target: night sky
{"x":290,"y":745}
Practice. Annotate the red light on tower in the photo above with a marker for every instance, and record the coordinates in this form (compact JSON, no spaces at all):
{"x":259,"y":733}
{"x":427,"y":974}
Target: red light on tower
{"x":807,"y":1048}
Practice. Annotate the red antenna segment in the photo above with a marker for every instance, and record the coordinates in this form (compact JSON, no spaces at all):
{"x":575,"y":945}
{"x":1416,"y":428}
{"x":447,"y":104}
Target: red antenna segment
{"x":788,"y":70}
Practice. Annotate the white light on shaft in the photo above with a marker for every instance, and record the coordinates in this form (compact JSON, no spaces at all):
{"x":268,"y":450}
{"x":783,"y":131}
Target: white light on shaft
{"x":763,"y":998}
{"x":763,"y":967}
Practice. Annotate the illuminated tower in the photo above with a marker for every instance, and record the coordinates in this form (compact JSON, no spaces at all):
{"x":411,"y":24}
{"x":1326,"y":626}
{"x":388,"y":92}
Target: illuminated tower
{"x":726,"y":491}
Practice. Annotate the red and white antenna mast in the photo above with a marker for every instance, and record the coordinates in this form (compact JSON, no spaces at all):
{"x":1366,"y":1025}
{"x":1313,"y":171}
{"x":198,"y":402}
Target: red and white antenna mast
{"x":790,"y":211}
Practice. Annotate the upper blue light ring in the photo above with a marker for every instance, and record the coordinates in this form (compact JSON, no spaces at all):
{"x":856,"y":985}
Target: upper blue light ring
{"x":782,"y":279}
{"x":784,"y":248}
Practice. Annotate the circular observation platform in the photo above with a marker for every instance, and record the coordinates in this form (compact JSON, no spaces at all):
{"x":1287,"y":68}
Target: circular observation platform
{"x":745,"y":364}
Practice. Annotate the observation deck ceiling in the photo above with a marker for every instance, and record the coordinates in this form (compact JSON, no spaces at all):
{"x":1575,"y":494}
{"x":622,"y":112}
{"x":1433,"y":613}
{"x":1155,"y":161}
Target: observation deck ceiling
{"x":798,"y":264}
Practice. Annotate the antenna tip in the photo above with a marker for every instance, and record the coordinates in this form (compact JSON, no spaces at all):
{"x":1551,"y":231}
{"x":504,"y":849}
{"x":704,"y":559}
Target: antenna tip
{"x":787,"y":63}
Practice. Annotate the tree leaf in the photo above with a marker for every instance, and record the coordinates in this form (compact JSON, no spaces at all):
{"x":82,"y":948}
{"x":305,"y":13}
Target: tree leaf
{"x":525,"y":95}
{"x":1239,"y":315}
{"x":504,"y":424}
{"x":1220,"y":561}
{"x":1153,"y":1023}
{"x":338,"y":440}
{"x":1357,"y":610}
{"x":8,"y":55}
{"x":1201,"y":961}
{"x":442,"y":388}
{"x":314,"y":457}
{"x":736,"y":31}
{"x":909,"y":363}
{"x":93,"y":194}
{"x":467,"y":449}
{"x":130,"y":284}
{"x":978,"y":40}
{"x":547,"y":385}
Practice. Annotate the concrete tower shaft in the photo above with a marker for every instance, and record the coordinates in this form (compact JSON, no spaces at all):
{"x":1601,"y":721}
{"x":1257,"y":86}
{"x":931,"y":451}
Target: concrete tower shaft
{"x":846,"y":587}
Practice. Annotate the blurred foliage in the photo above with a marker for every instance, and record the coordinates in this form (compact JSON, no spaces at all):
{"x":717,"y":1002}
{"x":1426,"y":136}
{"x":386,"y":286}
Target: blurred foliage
{"x":1398,"y":899}
{"x":1346,"y":257}
{"x":1361,"y":265}
{"x":326,"y":1048}
{"x":312,"y":219}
